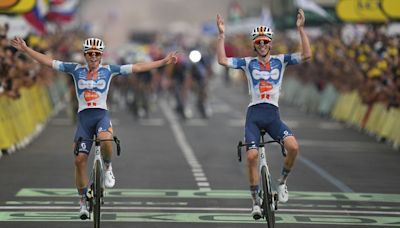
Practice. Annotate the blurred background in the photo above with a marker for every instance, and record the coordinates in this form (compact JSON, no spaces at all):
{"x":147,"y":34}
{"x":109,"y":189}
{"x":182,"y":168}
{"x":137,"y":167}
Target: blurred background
{"x":353,"y":76}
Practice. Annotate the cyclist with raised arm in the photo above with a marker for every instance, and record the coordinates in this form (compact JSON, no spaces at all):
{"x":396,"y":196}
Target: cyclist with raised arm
{"x":264,"y":74}
{"x":92,"y":82}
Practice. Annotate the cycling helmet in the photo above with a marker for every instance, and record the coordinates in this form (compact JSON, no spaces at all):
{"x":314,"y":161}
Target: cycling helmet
{"x":93,"y":44}
{"x":262,"y":31}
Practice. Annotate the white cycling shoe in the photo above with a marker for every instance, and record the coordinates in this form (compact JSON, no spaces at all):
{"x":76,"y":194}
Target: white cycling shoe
{"x":109,"y":179}
{"x":283,"y":194}
{"x":256,"y":212}
{"x":83,"y":211}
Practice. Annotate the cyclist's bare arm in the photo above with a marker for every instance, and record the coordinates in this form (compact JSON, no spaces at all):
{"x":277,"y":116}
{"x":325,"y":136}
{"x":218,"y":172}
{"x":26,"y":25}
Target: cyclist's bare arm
{"x":222,"y":59}
{"x":20,"y":45}
{"x":305,"y":43}
{"x":171,"y":58}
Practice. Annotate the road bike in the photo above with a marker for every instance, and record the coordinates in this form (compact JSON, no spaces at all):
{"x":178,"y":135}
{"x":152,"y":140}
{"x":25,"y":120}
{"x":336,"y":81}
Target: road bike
{"x":95,"y":193}
{"x":268,"y":194}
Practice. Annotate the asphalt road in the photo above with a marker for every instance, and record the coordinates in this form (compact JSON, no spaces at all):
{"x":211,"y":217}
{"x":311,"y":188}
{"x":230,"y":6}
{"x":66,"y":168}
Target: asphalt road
{"x":175,"y":173}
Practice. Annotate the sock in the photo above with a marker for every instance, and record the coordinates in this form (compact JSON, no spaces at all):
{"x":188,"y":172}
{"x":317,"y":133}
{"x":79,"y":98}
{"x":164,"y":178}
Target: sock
{"x":107,"y":163}
{"x":82,"y":192}
{"x":285,"y":174}
{"x":254,"y":193}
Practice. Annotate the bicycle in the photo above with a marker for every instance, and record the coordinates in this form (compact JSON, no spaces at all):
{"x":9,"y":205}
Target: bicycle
{"x":268,"y":194}
{"x":96,"y":187}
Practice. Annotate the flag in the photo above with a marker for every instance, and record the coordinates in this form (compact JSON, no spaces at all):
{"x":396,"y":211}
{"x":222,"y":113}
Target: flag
{"x":62,"y":10}
{"x":310,"y":5}
{"x":36,"y":17}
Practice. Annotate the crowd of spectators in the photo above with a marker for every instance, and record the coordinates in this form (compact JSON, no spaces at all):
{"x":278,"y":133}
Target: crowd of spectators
{"x":370,"y":65}
{"x":17,"y":70}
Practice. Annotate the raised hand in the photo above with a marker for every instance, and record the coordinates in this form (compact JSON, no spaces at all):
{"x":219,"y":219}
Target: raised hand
{"x":220,"y":24}
{"x":300,"y":19}
{"x":19,"y":44}
{"x":171,"y":58}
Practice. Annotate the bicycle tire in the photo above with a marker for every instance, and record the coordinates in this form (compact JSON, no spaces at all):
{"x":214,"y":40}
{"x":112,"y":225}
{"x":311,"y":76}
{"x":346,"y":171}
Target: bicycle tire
{"x":269,"y":213}
{"x":97,"y":194}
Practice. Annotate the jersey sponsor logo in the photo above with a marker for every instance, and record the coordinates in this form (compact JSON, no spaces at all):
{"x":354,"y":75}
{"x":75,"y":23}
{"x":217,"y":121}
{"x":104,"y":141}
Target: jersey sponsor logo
{"x":89,"y":84}
{"x":90,"y":95}
{"x":263,"y":88}
{"x":265,"y":75}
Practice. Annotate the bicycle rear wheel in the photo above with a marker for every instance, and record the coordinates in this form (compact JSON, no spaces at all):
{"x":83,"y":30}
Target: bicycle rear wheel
{"x":269,"y":213}
{"x":97,"y":194}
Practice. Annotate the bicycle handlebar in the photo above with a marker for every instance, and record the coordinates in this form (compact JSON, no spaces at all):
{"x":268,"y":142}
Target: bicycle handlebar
{"x":240,"y":145}
{"x":115,"y":139}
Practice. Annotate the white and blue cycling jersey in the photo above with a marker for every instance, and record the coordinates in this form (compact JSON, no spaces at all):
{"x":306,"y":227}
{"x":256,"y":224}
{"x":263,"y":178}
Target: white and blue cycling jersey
{"x":264,"y":80}
{"x":91,"y":87}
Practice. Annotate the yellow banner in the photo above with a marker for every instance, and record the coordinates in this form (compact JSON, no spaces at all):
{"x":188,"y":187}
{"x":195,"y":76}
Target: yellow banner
{"x":391,"y":8}
{"x":16,"y":6}
{"x":360,"y":11}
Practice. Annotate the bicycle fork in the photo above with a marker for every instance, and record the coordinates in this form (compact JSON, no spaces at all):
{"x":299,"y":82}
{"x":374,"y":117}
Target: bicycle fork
{"x":263,"y":163}
{"x":90,"y":195}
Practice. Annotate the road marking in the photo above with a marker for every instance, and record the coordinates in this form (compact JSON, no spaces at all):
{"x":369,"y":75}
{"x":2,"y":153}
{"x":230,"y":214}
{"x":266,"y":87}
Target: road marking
{"x":231,"y":209}
{"x":318,"y":205}
{"x":213,"y":194}
{"x":320,"y":171}
{"x":185,"y":147}
{"x":243,"y":218}
{"x":151,"y":122}
{"x":107,"y":203}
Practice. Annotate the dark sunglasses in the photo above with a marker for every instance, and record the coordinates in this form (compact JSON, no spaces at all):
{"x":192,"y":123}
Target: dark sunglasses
{"x":262,"y":42}
{"x":90,"y":53}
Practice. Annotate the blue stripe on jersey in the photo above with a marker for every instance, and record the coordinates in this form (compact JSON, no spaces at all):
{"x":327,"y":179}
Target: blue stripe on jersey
{"x":292,"y":59}
{"x":236,"y":63}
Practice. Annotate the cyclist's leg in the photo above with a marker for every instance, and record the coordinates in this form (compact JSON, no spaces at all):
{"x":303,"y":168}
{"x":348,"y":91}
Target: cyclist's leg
{"x":106,"y":147}
{"x":292,"y":148}
{"x":104,"y":131}
{"x":280,"y":131}
{"x":252,"y":136}
{"x":85,"y":131}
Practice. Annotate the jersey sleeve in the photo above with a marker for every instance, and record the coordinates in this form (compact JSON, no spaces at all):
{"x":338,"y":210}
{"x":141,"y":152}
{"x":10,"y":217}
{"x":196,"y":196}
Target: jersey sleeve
{"x":121,"y":69}
{"x":64,"y":66}
{"x":292,"y":59}
{"x":236,"y":63}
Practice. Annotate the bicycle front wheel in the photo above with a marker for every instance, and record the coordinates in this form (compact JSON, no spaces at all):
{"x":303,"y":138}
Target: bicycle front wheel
{"x":269,"y":213}
{"x":97,"y":194}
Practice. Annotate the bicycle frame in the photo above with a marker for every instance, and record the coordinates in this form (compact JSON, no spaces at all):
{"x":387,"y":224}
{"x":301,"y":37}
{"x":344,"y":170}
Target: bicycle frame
{"x":268,"y":196}
{"x":97,"y":157}
{"x":262,"y":160}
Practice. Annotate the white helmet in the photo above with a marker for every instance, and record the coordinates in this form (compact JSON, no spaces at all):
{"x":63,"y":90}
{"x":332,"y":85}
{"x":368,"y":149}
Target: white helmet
{"x":93,"y":44}
{"x":262,"y":31}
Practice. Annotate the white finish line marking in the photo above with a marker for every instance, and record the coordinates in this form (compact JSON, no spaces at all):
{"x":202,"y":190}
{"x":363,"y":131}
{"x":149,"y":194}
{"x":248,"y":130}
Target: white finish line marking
{"x":185,"y":147}
{"x":201,"y":209}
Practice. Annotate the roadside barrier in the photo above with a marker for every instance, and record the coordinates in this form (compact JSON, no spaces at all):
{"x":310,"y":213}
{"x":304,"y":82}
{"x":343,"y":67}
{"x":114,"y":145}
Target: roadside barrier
{"x":23,"y":118}
{"x":345,"y":107}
